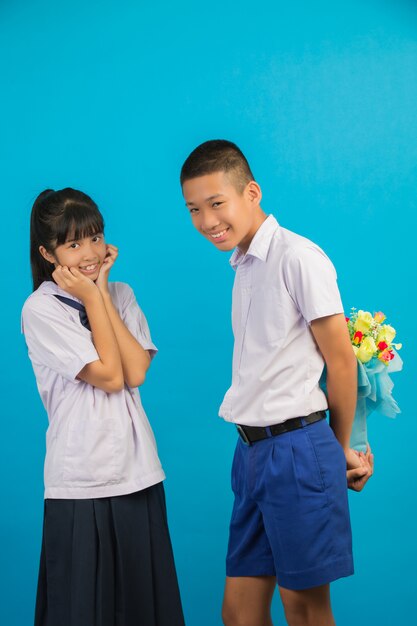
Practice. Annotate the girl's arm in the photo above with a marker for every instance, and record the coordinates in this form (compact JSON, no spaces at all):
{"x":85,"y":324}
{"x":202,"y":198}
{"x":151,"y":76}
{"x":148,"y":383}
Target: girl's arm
{"x":107,"y":372}
{"x":135,"y":359}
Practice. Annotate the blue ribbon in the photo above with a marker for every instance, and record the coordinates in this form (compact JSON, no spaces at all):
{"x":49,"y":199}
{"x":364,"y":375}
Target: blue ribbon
{"x":76,"y":305}
{"x":374,"y":394}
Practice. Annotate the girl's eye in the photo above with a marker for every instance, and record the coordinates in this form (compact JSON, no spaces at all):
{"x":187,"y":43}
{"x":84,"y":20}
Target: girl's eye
{"x":74,"y":245}
{"x":96,"y":238}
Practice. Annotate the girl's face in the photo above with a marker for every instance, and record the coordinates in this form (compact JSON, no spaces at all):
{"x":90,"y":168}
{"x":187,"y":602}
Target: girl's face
{"x":86,"y":254}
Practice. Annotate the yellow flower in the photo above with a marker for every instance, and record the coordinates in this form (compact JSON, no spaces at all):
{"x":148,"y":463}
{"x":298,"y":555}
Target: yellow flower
{"x":366,"y":350}
{"x":387,"y":334}
{"x":364,"y":321}
{"x":355,"y":349}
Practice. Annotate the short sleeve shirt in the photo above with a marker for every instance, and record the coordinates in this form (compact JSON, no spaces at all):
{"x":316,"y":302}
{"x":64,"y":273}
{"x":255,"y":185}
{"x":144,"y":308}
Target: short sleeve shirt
{"x":282,"y":283}
{"x":98,"y":444}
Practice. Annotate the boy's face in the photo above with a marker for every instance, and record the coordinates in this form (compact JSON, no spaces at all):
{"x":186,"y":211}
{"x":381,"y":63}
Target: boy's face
{"x":219,"y":211}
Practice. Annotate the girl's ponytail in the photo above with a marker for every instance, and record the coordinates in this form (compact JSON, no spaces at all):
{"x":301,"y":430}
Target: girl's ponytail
{"x":41,"y":268}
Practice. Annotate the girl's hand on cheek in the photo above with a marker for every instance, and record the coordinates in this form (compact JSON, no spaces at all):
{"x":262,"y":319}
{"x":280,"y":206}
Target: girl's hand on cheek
{"x":102,"y":281}
{"x":74,"y":282}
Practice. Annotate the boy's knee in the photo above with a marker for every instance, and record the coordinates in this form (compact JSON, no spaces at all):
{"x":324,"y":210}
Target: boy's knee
{"x":231,"y":616}
{"x":240,"y":616}
{"x":297,"y":614}
{"x":300,"y":612}
{"x":234,"y":616}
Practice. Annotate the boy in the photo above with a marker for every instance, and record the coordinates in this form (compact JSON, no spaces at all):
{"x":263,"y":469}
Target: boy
{"x":290,"y":521}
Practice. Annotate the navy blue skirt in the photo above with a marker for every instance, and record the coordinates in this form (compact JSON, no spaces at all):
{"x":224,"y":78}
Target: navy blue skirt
{"x":108,"y":562}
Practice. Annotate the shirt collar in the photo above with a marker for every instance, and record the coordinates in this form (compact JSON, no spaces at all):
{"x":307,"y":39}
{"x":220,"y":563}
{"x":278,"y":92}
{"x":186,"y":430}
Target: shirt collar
{"x":260,"y":244}
{"x":50,"y":287}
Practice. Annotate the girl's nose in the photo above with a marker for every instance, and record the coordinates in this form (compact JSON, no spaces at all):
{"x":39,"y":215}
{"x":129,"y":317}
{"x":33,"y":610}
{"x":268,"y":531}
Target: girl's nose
{"x":89,"y":253}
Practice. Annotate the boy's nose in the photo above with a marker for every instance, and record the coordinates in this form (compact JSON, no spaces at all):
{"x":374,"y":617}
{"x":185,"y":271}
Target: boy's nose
{"x":210,"y":222}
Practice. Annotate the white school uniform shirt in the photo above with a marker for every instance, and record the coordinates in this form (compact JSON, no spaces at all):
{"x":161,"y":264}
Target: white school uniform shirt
{"x":98,"y":444}
{"x":282,"y":283}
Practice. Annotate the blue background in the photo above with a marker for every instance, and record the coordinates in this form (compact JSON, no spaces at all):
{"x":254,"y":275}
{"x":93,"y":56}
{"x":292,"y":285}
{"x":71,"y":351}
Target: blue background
{"x":110,"y":98}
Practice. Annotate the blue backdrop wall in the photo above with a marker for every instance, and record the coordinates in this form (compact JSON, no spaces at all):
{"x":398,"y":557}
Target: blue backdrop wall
{"x":110,"y":98}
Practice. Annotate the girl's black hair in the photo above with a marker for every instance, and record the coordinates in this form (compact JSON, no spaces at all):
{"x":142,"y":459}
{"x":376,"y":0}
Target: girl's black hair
{"x":56,"y":217}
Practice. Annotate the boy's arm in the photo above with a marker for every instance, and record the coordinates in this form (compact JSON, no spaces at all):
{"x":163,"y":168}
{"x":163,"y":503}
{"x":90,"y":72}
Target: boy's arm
{"x":333,"y":340}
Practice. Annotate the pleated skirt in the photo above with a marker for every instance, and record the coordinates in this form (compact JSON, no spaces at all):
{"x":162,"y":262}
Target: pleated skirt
{"x":108,"y":562}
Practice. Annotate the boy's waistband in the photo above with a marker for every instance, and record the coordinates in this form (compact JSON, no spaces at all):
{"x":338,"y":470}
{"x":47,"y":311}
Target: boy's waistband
{"x":252,"y":434}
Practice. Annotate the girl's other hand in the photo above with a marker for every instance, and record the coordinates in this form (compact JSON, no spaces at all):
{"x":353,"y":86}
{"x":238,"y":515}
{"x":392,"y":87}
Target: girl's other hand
{"x":102,"y":281}
{"x":74,"y":282}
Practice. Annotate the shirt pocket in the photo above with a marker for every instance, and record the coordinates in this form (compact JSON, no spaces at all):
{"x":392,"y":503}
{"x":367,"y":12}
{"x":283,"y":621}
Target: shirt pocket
{"x":93,"y":454}
{"x":266,"y":319}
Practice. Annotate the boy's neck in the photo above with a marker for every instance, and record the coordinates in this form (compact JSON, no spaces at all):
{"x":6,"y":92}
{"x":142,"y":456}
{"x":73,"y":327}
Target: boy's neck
{"x":259,"y":219}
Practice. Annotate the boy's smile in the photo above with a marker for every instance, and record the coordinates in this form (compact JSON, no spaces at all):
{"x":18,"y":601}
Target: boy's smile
{"x":219,"y":237}
{"x":219,"y":211}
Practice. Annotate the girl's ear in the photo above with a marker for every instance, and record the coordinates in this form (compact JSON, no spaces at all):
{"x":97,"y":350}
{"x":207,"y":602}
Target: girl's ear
{"x":47,"y":255}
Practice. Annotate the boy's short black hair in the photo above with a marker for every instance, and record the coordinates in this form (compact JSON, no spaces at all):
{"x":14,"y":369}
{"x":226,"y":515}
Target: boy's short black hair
{"x":218,"y":155}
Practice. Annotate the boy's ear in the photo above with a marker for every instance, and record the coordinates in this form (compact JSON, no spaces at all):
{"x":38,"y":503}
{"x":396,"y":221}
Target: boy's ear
{"x":47,"y":255}
{"x":254,"y":192}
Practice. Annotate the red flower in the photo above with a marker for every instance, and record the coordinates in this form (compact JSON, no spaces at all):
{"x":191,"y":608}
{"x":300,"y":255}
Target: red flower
{"x":357,"y":337}
{"x":347,"y":319}
{"x":382,"y":345}
{"x":386,"y":356}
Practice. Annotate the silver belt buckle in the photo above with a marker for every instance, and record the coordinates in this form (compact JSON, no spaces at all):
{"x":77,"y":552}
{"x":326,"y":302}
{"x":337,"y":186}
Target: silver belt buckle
{"x":243,"y":435}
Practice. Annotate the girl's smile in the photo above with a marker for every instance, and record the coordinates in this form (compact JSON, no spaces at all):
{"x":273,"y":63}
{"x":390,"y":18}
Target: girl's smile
{"x":89,"y":269}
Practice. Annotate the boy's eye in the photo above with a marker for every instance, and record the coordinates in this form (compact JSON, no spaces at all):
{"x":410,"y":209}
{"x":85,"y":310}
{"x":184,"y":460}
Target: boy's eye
{"x":193,"y":210}
{"x":216,"y":204}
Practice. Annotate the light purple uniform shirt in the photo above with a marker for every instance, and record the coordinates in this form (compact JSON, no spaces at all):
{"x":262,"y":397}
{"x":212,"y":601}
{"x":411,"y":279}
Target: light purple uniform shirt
{"x":98,"y":444}
{"x":282,"y":283}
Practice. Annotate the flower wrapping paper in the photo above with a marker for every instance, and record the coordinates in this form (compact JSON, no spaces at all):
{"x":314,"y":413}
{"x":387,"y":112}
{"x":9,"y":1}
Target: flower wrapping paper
{"x":374,"y":394}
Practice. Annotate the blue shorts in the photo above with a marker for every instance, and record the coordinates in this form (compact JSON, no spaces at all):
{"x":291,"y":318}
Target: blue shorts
{"x":290,"y":517}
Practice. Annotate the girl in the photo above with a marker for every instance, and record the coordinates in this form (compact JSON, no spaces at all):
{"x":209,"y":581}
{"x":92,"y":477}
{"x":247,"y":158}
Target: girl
{"x":106,"y":553}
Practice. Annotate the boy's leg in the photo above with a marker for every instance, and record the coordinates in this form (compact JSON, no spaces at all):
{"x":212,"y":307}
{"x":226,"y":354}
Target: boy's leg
{"x":247,"y":600}
{"x":308,"y":607}
{"x":250,"y":569}
{"x":290,"y":520}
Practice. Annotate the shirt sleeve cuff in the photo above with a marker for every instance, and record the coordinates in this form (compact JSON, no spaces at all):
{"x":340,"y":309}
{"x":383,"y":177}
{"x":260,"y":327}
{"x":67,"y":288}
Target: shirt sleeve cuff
{"x":315,"y":315}
{"x":80,"y":363}
{"x":148,"y":345}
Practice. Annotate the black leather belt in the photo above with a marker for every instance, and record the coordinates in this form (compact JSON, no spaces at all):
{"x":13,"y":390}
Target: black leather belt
{"x":251,"y":434}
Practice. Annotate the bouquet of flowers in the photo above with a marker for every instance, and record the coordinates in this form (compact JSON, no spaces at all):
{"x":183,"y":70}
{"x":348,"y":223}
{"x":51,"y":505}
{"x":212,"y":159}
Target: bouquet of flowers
{"x":377,"y":356}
